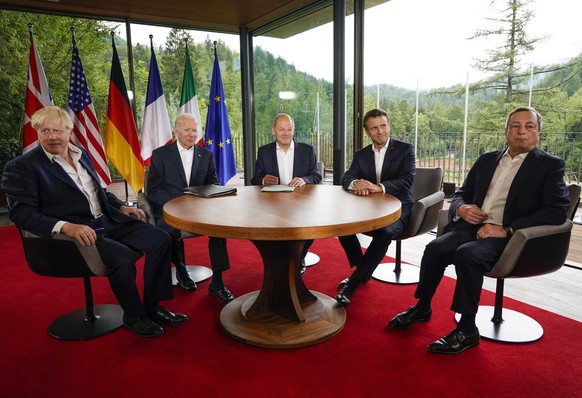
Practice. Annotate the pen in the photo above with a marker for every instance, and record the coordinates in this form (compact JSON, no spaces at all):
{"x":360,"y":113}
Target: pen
{"x":98,"y":230}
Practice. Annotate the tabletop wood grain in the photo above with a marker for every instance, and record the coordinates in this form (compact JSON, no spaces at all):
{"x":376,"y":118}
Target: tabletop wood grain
{"x":309,"y":212}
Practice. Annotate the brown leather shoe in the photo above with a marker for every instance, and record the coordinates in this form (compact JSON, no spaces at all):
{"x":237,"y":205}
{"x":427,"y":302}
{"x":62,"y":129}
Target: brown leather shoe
{"x":454,"y":343}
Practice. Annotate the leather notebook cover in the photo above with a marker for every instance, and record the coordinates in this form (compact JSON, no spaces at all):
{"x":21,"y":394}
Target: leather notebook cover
{"x":209,"y":190}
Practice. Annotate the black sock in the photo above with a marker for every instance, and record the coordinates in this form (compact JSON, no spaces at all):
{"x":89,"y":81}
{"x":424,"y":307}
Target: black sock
{"x":217,"y":282}
{"x":467,"y":324}
{"x":423,"y":305}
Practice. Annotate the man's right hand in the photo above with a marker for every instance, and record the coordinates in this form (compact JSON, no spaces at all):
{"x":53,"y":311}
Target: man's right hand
{"x":472,"y":214}
{"x":83,"y":234}
{"x":270,"y":180}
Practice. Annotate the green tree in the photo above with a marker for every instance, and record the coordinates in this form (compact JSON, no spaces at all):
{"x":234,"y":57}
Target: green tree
{"x":503,"y":61}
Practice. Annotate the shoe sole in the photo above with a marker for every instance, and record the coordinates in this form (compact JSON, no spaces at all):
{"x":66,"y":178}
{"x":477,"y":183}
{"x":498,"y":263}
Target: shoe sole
{"x":451,"y":352}
{"x":220,"y":298}
{"x":148,"y":336}
{"x":408,"y":326}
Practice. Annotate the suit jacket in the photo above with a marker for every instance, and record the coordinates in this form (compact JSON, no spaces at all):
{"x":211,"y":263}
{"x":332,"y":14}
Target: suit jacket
{"x":398,"y":172}
{"x":167,"y":180}
{"x":41,"y":193}
{"x":537,"y":195}
{"x":304,"y":163}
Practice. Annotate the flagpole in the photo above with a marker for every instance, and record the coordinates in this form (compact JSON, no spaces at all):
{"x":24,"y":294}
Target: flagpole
{"x":112,"y":33}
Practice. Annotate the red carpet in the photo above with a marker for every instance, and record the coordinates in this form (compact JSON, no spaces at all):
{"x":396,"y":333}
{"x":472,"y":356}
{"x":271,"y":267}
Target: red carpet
{"x":199,"y":360}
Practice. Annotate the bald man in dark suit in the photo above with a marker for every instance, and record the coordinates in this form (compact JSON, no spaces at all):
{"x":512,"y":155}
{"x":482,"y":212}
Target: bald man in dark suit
{"x":287,"y":162}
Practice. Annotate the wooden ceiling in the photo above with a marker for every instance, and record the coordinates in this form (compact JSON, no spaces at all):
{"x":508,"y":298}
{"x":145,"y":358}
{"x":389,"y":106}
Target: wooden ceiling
{"x":226,"y":16}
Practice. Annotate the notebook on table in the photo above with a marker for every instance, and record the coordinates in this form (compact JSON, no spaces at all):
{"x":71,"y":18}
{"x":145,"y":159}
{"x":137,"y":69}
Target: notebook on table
{"x":277,"y":188}
{"x":209,"y":190}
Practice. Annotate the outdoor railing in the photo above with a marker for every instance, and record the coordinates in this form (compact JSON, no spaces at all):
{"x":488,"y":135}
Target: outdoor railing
{"x":446,"y":150}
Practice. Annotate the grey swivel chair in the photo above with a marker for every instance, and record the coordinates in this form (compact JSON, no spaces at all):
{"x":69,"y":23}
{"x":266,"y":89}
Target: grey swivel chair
{"x":530,"y":252}
{"x":61,"y":257}
{"x":429,"y":197}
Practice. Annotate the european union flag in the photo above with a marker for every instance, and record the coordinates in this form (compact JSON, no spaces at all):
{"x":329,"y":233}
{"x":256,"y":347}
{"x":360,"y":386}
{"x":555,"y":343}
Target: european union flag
{"x":218,"y":135}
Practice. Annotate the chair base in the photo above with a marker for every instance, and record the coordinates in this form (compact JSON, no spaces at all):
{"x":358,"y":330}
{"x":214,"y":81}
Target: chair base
{"x":74,"y":325}
{"x":311,"y":259}
{"x":198,"y":273}
{"x":515,"y":328}
{"x":408,"y":275}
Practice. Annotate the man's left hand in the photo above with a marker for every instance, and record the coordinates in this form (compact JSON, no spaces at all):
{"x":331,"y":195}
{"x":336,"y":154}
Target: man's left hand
{"x":133,"y":212}
{"x":297,"y":182}
{"x":491,"y":231}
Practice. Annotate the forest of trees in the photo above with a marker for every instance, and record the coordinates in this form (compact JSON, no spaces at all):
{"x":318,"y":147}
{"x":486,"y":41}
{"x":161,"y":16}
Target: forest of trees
{"x":557,"y":91}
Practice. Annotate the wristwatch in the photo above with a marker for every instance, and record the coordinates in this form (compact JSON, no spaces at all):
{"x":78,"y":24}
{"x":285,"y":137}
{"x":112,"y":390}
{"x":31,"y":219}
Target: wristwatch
{"x":508,"y":230}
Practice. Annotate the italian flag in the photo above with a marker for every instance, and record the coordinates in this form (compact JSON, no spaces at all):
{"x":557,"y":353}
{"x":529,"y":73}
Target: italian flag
{"x":189,"y":100}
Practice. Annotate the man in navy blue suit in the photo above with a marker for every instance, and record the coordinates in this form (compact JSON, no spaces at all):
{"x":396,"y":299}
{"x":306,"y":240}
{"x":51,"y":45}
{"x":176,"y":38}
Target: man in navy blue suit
{"x":177,"y":166}
{"x":385,"y":166}
{"x":55,"y":189}
{"x":286,"y":162}
{"x":518,"y":187}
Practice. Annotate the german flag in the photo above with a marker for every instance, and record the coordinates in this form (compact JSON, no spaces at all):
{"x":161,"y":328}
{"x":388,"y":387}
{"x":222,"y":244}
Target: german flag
{"x":121,"y":140}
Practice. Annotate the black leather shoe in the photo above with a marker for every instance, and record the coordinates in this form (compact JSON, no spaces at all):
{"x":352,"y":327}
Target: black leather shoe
{"x":142,"y":326}
{"x":222,"y":294}
{"x":454,"y":343}
{"x":303,"y":268}
{"x":165,"y":317}
{"x":343,"y":283}
{"x":344,"y":297}
{"x":185,"y":282}
{"x":407,"y":318}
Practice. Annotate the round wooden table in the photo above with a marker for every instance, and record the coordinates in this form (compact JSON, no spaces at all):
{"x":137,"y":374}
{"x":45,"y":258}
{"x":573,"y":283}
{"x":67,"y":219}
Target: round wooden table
{"x":284,"y":313}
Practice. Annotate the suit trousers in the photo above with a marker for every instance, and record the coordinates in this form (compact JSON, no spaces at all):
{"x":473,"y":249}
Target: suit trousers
{"x":217,"y":249}
{"x":120,"y":246}
{"x":366,"y":263}
{"x":472,"y":258}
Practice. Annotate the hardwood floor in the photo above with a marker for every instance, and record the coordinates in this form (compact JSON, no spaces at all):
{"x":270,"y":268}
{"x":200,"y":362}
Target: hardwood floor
{"x":559,"y":292}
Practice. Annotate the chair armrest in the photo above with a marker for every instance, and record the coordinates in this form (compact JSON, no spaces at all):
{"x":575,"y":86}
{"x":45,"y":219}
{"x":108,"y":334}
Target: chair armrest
{"x":89,"y":253}
{"x":444,"y":219}
{"x":516,"y":245}
{"x":424,"y":214}
{"x":144,"y":203}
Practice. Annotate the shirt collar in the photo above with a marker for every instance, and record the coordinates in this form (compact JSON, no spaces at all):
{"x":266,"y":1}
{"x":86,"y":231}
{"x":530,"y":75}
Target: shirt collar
{"x":383,"y":148}
{"x":291,"y":147}
{"x":74,"y":152}
{"x":182,"y":149}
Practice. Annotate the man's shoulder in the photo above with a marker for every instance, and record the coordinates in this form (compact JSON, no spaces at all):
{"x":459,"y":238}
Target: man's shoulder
{"x":164,"y":149}
{"x":28,"y":158}
{"x":399,"y":144}
{"x":267,"y":146}
{"x":303,"y":146}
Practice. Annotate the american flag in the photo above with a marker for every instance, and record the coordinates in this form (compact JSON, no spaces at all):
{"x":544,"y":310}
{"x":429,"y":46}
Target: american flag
{"x":86,"y":133}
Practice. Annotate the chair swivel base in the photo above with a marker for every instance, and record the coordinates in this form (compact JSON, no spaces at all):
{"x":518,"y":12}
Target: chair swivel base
{"x":515,"y":328}
{"x":311,"y":259}
{"x":385,"y":272}
{"x":74,"y":325}
{"x":198,"y":273}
